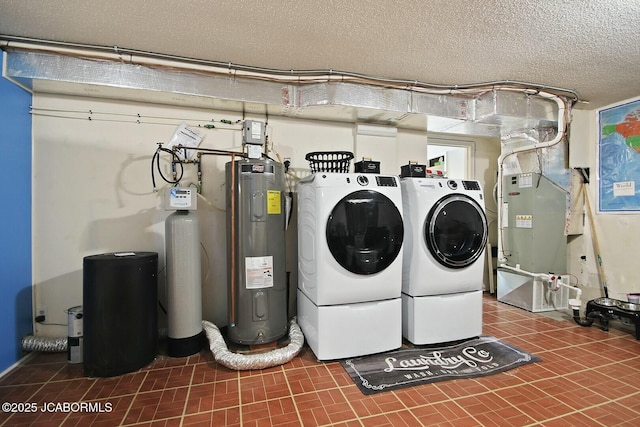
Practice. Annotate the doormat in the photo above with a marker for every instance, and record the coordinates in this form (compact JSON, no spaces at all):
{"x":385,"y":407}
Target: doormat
{"x":407,"y":367}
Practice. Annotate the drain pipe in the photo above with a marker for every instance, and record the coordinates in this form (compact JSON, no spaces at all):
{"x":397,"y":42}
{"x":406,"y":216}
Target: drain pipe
{"x":563,"y":113}
{"x":574,"y":303}
{"x":554,"y":279}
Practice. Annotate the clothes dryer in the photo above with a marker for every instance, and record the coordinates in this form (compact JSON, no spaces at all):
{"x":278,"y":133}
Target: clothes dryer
{"x":350,"y":235}
{"x":445,"y":236}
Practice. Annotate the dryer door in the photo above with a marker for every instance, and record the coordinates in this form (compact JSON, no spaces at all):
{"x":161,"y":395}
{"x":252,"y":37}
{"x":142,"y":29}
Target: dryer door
{"x":455,"y":231}
{"x":364,"y":232}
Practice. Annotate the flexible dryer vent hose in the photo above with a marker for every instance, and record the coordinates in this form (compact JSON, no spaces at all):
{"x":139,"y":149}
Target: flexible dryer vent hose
{"x":44,"y":344}
{"x":241,"y":362}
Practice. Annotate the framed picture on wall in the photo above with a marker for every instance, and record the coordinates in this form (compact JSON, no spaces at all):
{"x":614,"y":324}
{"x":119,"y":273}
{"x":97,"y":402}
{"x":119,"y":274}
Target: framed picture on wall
{"x":619,"y":158}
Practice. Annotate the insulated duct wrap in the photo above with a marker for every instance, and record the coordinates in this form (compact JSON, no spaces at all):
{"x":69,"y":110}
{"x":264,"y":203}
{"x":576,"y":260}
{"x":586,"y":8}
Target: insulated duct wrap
{"x":488,"y":109}
{"x":241,"y":362}
{"x":44,"y":344}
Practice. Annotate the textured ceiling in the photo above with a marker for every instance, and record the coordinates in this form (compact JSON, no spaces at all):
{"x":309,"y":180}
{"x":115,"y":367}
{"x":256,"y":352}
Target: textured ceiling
{"x":588,"y":46}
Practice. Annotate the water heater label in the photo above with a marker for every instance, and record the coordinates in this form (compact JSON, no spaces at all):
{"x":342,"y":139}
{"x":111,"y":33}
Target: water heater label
{"x":259,"y":272}
{"x":273,"y":203}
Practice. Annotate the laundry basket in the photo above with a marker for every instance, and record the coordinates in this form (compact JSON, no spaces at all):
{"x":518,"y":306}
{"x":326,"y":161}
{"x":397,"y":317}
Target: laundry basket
{"x":330,"y":161}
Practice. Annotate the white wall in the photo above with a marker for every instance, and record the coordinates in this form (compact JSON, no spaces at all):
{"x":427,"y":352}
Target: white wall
{"x":92,"y":193}
{"x":92,"y":189}
{"x":617,"y":234}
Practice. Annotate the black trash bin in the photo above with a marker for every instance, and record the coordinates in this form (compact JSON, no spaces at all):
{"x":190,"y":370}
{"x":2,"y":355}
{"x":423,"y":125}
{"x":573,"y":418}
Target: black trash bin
{"x":120,"y":297}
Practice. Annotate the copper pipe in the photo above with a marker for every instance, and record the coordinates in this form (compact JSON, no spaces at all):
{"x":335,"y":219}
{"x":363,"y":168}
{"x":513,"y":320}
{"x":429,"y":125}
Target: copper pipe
{"x":209,"y":150}
{"x":232,"y":261}
{"x":232,"y":308}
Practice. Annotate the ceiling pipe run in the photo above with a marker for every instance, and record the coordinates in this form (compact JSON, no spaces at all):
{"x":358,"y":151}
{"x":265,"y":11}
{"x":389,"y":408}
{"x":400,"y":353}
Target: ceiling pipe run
{"x":239,"y":70}
{"x":486,"y":109}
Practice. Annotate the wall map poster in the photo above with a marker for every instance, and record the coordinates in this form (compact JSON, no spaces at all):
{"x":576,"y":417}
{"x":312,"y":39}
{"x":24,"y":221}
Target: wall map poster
{"x":619,"y":158}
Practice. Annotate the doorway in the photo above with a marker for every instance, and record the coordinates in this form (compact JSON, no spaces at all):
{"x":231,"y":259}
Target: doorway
{"x":451,"y":156}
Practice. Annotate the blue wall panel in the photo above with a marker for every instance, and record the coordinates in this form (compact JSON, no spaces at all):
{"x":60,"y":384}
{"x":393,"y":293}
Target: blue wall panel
{"x":15,"y":222}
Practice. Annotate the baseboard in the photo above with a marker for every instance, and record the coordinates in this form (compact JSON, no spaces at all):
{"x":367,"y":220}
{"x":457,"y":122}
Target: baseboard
{"x":22,"y":361}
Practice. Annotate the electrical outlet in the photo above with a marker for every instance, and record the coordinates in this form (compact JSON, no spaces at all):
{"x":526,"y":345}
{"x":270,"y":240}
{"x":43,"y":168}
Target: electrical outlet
{"x":41,"y":311}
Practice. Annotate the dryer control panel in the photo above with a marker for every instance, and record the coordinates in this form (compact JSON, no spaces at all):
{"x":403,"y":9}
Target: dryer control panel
{"x":381,"y":180}
{"x":386,"y":181}
{"x":471,"y":185}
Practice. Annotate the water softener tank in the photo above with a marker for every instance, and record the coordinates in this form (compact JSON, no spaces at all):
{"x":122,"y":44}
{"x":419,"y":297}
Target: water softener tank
{"x":184,"y":288}
{"x":256,"y":251}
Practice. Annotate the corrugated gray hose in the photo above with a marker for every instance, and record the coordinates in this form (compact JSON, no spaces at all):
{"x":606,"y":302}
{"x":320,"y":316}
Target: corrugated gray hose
{"x":241,"y":362}
{"x":44,"y":344}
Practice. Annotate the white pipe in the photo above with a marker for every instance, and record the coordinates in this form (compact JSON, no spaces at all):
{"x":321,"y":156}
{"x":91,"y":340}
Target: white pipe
{"x":543,"y":276}
{"x":563,"y":112}
{"x":574,"y":303}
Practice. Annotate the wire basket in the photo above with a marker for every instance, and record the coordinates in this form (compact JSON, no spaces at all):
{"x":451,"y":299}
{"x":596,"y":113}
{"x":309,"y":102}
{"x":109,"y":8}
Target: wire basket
{"x":330,"y":161}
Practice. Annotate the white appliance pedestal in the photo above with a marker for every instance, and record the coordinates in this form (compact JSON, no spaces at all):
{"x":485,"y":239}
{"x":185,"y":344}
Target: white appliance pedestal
{"x":350,"y":330}
{"x":441,"y":318}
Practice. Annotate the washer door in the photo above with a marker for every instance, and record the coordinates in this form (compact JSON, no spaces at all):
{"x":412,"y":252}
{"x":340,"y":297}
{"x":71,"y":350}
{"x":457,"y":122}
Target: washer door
{"x":365,"y":232}
{"x":455,"y":231}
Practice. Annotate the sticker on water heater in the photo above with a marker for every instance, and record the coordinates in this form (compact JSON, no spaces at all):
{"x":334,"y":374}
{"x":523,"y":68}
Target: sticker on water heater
{"x":273,"y":202}
{"x":259,"y":272}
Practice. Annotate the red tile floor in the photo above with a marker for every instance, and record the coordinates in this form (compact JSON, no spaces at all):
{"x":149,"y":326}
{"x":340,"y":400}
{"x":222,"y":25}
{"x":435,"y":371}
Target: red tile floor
{"x":587,"y":377}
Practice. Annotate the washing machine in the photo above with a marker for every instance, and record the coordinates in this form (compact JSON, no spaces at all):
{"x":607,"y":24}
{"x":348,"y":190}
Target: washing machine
{"x":350,"y":236}
{"x":443,"y":267}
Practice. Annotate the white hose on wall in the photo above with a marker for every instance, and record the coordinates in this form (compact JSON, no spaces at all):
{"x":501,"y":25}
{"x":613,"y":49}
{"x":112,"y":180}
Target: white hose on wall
{"x":241,"y":362}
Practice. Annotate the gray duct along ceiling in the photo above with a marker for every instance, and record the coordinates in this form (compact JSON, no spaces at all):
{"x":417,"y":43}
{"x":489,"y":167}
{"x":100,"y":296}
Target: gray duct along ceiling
{"x":494,"y":110}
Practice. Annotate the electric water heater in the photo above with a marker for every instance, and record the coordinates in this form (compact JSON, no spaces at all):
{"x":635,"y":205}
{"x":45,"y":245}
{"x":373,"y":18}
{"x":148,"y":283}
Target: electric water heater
{"x":256,"y":251}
